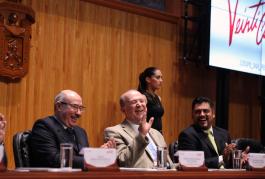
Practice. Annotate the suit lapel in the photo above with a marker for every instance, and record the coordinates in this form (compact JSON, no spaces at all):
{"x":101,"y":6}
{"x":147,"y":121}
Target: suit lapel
{"x":128,"y":129}
{"x":155,"y":140}
{"x":146,"y":150}
{"x":61,"y":132}
{"x":78,"y":141}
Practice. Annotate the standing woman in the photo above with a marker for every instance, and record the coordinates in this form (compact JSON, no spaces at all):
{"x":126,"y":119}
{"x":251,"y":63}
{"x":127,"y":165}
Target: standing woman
{"x":150,"y":80}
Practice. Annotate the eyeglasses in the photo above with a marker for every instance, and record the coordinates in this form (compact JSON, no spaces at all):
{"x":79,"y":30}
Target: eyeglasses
{"x":75,"y":106}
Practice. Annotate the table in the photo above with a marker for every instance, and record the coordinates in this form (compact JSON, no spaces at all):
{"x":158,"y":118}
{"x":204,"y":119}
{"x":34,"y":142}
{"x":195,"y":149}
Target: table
{"x":134,"y":175}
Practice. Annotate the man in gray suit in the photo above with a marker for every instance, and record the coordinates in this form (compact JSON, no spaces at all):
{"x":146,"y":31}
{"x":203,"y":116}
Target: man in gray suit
{"x":136,"y":141}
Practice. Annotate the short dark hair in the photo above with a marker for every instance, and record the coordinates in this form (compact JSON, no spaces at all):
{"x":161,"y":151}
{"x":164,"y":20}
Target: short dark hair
{"x":202,"y":99}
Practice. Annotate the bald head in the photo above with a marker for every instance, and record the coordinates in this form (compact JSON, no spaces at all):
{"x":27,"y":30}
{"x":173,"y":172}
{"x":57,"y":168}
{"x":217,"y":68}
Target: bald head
{"x":64,"y":95}
{"x":133,"y":105}
{"x":68,"y":107}
{"x":125,"y":96}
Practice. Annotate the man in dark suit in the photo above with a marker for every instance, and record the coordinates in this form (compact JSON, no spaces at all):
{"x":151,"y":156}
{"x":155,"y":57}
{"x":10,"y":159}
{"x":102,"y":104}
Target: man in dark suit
{"x":203,"y":136}
{"x":50,"y":132}
{"x":3,"y":159}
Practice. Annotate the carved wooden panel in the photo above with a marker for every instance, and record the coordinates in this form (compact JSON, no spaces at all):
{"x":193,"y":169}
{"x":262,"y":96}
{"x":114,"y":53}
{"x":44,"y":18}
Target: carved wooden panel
{"x":15,"y":34}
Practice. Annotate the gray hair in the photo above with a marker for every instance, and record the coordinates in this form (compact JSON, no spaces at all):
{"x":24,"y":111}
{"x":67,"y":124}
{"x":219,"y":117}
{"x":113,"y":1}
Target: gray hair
{"x":63,"y":97}
{"x":59,"y":97}
{"x":124,"y":97}
{"x":123,"y":100}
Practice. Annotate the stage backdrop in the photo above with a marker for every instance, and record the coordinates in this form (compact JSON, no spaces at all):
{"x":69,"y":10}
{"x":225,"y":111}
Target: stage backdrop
{"x":99,"y":52}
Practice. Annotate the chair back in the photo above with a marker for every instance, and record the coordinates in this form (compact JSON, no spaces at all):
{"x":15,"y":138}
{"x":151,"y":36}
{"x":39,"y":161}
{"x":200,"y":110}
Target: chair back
{"x":21,"y":148}
{"x":255,"y":146}
{"x":172,"y":149}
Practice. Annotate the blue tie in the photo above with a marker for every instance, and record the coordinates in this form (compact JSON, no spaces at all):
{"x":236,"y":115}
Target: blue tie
{"x":151,"y":147}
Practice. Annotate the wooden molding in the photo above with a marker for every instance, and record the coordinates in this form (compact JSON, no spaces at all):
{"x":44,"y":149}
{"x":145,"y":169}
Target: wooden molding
{"x":132,"y":8}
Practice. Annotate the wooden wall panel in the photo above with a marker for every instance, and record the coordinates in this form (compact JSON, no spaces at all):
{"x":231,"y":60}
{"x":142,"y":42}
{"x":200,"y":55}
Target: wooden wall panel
{"x":99,"y":52}
{"x":244,"y":107}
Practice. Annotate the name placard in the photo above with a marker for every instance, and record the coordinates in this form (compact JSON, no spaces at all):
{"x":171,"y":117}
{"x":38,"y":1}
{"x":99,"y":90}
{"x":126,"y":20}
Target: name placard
{"x":100,"y":157}
{"x":256,"y":160}
{"x":191,"y":158}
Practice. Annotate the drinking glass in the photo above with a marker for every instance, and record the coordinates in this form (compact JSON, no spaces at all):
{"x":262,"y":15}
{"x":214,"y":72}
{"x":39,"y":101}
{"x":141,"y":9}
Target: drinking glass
{"x":66,"y":155}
